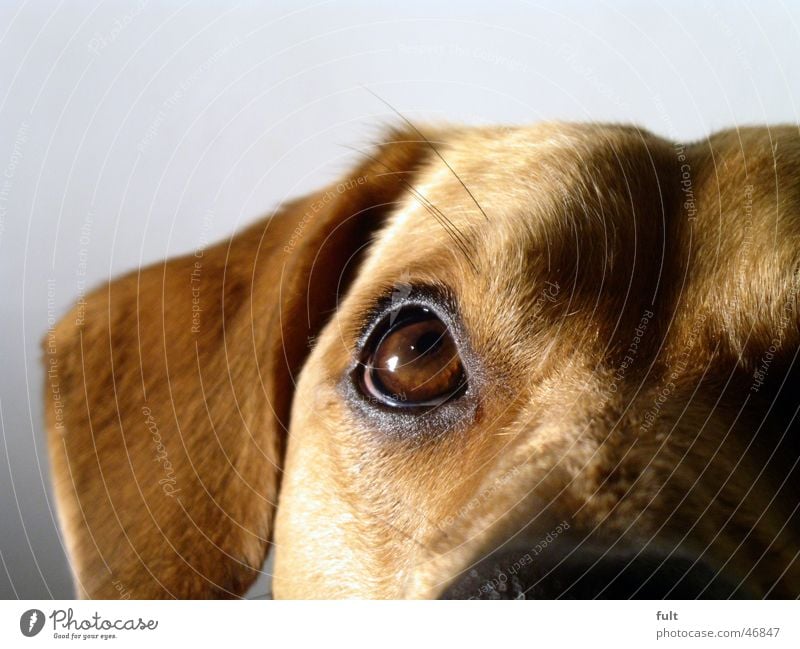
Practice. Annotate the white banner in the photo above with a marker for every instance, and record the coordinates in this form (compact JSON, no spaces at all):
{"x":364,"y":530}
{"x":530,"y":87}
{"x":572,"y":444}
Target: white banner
{"x":399,"y":624}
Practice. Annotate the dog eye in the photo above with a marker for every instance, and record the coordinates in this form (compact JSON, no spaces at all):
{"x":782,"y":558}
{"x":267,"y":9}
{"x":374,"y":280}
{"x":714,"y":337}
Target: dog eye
{"x":414,"y":362}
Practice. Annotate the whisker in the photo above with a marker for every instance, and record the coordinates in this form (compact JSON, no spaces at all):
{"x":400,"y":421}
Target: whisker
{"x":445,"y":222}
{"x":411,"y":188}
{"x":431,"y":145}
{"x":455,"y":234}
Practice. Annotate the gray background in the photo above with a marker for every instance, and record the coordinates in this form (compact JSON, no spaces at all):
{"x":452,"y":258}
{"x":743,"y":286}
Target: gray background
{"x":134,"y":130}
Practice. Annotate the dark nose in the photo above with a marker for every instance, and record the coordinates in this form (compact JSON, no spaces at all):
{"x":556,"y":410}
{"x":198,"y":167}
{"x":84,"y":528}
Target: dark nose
{"x":569,"y":569}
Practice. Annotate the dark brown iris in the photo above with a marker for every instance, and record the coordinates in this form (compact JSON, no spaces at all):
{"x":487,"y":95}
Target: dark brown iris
{"x":415,"y":363}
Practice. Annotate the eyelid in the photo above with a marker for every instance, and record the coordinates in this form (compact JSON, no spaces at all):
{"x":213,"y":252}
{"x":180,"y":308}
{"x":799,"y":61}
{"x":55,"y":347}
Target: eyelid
{"x":402,"y":317}
{"x":438,"y":298}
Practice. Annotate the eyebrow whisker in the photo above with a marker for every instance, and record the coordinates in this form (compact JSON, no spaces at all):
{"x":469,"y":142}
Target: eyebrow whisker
{"x":455,"y":234}
{"x":431,"y":145}
{"x":437,"y":213}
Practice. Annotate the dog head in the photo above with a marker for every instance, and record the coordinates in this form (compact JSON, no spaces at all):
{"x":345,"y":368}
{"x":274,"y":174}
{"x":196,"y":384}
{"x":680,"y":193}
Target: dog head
{"x":520,"y":362}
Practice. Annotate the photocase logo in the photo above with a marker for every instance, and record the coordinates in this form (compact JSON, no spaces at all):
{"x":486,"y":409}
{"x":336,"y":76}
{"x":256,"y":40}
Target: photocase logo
{"x":31,"y":622}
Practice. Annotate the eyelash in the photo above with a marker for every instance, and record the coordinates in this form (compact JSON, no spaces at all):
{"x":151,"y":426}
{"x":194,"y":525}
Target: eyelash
{"x":435,"y":298}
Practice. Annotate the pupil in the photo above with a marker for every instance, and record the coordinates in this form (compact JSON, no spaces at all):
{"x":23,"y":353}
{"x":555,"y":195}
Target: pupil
{"x":427,"y":342}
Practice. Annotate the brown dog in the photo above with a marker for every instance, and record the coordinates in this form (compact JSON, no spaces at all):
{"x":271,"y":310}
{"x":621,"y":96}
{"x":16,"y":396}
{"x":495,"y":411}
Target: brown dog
{"x":520,"y":362}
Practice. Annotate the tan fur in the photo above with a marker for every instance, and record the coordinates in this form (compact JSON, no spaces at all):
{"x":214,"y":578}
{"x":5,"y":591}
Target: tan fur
{"x":567,"y":429}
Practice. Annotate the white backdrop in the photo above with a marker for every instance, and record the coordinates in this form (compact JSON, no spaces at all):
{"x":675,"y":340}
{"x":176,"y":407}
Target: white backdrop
{"x":134,"y":130}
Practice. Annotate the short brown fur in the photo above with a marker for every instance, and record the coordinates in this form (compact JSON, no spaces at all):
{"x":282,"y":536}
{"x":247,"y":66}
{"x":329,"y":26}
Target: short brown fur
{"x":172,"y":450}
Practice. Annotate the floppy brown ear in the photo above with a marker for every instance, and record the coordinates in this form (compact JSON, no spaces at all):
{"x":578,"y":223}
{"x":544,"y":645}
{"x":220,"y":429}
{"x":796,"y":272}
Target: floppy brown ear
{"x":168,"y":393}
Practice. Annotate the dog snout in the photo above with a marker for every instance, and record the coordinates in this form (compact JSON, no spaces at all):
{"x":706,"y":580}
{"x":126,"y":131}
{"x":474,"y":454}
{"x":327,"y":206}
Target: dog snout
{"x":577,"y":569}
